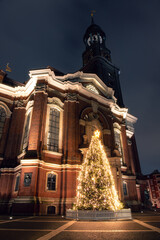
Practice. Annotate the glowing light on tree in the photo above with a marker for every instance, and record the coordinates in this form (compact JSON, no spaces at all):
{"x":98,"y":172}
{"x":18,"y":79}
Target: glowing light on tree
{"x":96,"y":189}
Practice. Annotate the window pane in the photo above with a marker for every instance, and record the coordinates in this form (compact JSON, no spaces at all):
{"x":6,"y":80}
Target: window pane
{"x":51,"y":182}
{"x":53,"y":132}
{"x":118,"y":142}
{"x":17,"y":183}
{"x":125,"y":189}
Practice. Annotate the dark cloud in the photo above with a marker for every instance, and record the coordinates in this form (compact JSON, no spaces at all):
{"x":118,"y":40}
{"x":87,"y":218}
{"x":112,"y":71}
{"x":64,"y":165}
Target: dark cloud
{"x":35,"y":34}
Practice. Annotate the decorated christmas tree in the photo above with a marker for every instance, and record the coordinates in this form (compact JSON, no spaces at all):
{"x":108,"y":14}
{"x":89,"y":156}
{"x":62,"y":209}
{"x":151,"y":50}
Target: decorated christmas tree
{"x":96,"y":189}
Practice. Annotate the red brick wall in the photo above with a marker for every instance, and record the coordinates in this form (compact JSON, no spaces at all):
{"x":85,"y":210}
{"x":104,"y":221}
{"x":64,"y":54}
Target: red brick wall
{"x":14,"y":140}
{"x":37,"y":121}
{"x":71,"y":132}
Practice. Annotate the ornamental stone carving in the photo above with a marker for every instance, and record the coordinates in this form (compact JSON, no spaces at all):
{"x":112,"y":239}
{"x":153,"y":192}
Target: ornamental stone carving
{"x":72,"y":96}
{"x":94,"y":106}
{"x":56,"y":101}
{"x":40,"y":87}
{"x":20,"y":103}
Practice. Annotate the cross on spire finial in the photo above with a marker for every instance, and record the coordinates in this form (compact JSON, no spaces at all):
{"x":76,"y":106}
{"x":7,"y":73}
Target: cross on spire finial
{"x":92,"y":13}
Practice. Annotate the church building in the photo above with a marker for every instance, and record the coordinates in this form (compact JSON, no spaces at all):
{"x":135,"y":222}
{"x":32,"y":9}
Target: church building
{"x":46,"y":126}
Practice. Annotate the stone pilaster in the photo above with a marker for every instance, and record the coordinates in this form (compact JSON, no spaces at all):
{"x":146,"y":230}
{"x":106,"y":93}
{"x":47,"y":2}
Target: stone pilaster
{"x":125,"y":146}
{"x":71,"y":129}
{"x":37,"y":124}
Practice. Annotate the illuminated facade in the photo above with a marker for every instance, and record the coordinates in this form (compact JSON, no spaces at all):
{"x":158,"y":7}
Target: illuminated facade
{"x":153,"y":181}
{"x":46,"y":126}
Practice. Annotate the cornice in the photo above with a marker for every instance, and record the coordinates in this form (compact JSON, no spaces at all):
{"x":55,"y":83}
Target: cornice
{"x":130,"y":118}
{"x":61,"y":83}
{"x":128,"y":177}
{"x":30,"y":162}
{"x":10,"y":170}
{"x":119,"y":111}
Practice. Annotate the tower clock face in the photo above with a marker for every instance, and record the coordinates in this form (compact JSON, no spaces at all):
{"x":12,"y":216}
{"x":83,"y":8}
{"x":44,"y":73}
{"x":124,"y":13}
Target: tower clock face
{"x":94,"y":38}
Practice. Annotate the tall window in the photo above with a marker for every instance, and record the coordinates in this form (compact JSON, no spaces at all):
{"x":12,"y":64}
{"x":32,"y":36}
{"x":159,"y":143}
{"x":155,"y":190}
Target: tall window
{"x":53,"y":131}
{"x":51,"y":181}
{"x":118,"y":141}
{"x":26,"y":132}
{"x":125,"y":192}
{"x":17,"y":183}
{"x":2,"y":120}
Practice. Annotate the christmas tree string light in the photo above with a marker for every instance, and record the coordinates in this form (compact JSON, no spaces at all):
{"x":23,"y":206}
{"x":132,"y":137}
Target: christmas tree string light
{"x":96,"y":189}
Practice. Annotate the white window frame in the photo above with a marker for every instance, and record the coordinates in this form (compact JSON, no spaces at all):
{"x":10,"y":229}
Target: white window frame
{"x":50,"y":106}
{"x":18,"y":175}
{"x":28,"y":111}
{"x":51,"y":172}
{"x":124,"y":182}
{"x":117,"y":129}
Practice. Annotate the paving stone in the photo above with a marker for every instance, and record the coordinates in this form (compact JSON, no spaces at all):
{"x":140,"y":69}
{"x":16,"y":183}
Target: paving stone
{"x":21,"y":235}
{"x":129,"y":225}
{"x":105,"y":236}
{"x":32,"y":225}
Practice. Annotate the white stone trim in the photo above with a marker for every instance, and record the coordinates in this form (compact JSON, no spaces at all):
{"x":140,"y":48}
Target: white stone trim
{"x":129,"y":133}
{"x":29,"y":105}
{"x":60,"y":83}
{"x":123,"y":168}
{"x":56,"y":101}
{"x":10,"y":170}
{"x":99,"y":215}
{"x":119,"y":111}
{"x":30,"y":162}
{"x":117,"y":127}
{"x":131,"y":118}
{"x":6,"y":100}
{"x":128,"y":177}
{"x":95,"y":106}
{"x":89,"y":77}
{"x":82,"y":122}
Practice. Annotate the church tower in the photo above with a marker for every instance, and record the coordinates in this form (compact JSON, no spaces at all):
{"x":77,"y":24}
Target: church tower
{"x":97,"y":59}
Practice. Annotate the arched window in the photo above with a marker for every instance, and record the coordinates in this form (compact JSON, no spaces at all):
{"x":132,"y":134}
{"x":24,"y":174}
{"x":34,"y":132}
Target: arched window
{"x":2,"y":120}
{"x":17,"y":183}
{"x":125,"y":191}
{"x":26,"y":131}
{"x":51,"y":181}
{"x":53,"y":130}
{"x":118,"y":140}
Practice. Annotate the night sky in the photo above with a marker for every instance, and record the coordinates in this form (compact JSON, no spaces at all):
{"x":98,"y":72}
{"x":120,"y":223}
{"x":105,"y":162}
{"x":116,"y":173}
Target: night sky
{"x":38,"y":33}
